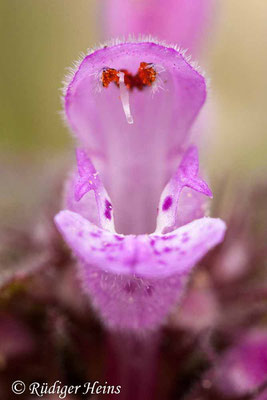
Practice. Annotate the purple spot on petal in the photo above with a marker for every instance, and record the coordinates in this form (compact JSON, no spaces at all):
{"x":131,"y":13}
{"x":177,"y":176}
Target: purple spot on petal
{"x":108,"y":204}
{"x":108,"y":209}
{"x":108,"y":244}
{"x":167,"y":249}
{"x":167,"y":203}
{"x":95,"y":234}
{"x":156,"y":252}
{"x":152,"y":242}
{"x":108,"y":214}
{"x":120,"y":238}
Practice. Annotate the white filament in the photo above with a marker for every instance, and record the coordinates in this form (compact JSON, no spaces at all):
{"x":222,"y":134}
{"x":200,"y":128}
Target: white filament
{"x":124,"y":95}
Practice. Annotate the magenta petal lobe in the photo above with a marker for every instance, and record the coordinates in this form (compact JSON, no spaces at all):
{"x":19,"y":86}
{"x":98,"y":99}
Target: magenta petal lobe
{"x":134,"y":280}
{"x":185,"y":176}
{"x":88,"y":179}
{"x":143,"y":255}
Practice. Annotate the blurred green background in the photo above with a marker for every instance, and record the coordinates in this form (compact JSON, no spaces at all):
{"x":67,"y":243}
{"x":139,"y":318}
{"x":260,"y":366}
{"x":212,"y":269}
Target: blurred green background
{"x":40,"y":38}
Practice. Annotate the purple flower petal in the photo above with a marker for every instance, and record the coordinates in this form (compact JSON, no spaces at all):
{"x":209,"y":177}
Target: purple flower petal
{"x":131,"y":303}
{"x":129,"y":156}
{"x":186,"y":176}
{"x":87,"y":180}
{"x":162,"y":262}
{"x":243,"y":367}
{"x":177,"y":21}
{"x":145,"y":255}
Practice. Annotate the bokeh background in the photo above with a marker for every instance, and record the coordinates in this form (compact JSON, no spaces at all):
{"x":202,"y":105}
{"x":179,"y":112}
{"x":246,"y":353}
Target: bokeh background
{"x":40,"y":38}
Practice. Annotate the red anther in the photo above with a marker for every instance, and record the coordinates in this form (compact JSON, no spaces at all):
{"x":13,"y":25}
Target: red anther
{"x":145,"y":76}
{"x":109,"y":75}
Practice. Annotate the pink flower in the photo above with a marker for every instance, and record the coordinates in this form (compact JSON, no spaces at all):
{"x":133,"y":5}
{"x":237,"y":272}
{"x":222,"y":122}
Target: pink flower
{"x":243,"y":368}
{"x":177,"y":21}
{"x":131,"y":106}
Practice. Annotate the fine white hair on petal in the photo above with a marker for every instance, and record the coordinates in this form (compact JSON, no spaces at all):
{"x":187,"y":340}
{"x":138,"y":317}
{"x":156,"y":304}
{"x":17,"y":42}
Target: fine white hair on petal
{"x":158,"y":84}
{"x":130,"y":39}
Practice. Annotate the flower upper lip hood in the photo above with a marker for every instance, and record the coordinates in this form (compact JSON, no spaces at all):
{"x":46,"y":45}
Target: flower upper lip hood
{"x":182,"y":85}
{"x":130,"y":156}
{"x":131,"y":106}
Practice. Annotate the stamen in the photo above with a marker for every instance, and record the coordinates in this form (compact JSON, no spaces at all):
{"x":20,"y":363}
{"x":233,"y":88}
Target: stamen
{"x":109,"y":75}
{"x":147,"y":73}
{"x":145,"y":76}
{"x":124,"y":95}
